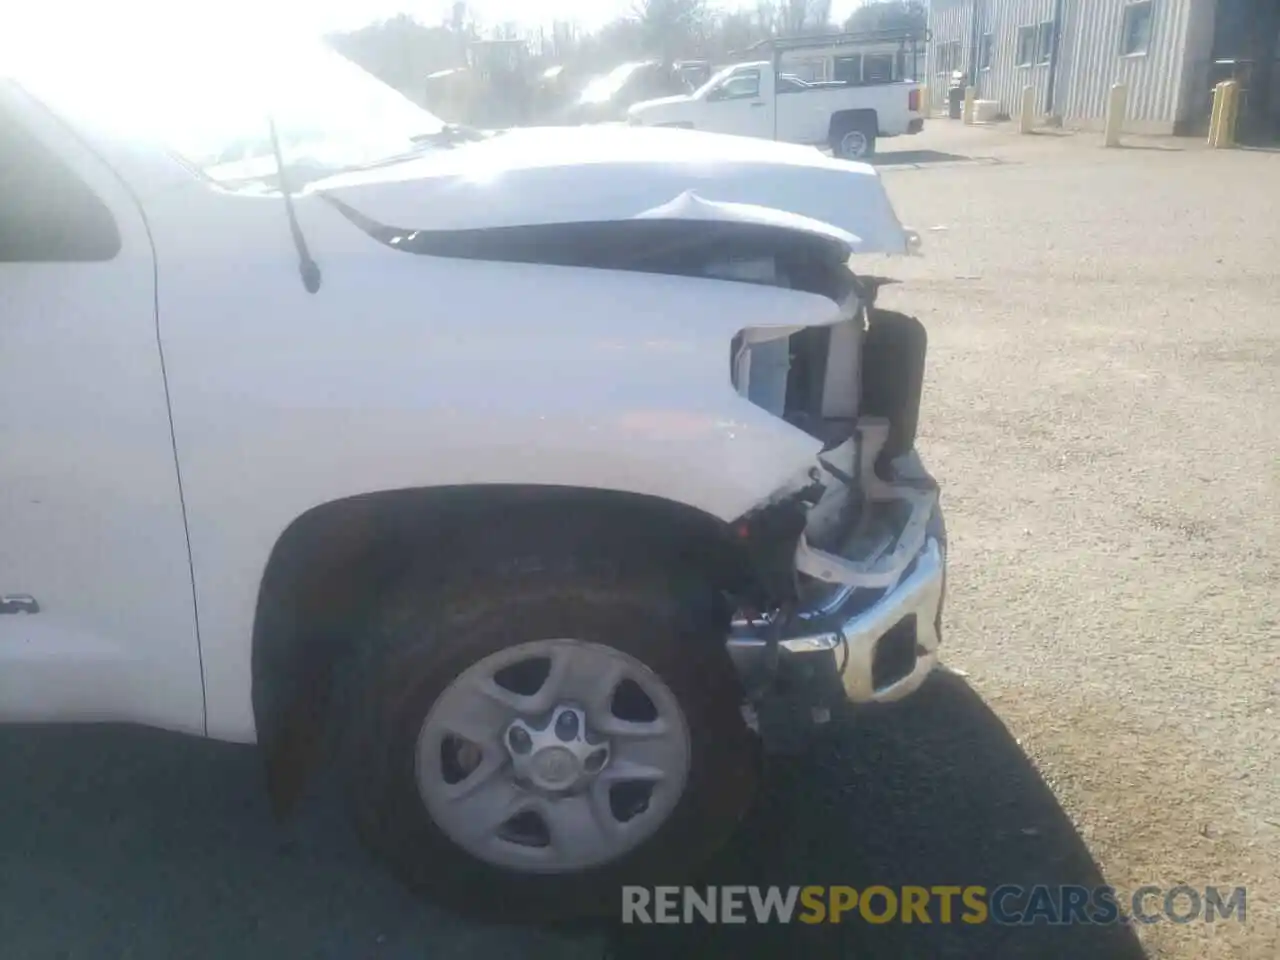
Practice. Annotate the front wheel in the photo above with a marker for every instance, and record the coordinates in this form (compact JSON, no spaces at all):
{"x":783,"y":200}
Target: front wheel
{"x":523,"y":749}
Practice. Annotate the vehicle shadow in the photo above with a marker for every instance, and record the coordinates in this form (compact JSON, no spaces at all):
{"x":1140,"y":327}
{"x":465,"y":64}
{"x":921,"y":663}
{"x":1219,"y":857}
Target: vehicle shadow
{"x":129,"y":842}
{"x":931,"y":791}
{"x":1159,"y":147}
{"x":124,"y":842}
{"x":921,"y":158}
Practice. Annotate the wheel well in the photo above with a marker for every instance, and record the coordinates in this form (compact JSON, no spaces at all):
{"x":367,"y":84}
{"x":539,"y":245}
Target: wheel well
{"x":845,"y":120}
{"x":331,"y":565}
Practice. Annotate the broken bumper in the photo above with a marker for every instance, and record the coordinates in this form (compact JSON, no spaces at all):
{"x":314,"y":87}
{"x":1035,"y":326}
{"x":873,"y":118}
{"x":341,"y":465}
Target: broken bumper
{"x":876,"y":638}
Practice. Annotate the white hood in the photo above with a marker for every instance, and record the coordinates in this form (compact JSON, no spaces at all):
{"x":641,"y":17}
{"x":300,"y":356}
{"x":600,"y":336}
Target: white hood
{"x":589,"y":174}
{"x":660,"y":102}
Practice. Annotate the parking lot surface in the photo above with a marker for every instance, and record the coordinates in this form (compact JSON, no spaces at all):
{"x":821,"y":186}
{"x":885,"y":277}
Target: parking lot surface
{"x":1101,"y":409}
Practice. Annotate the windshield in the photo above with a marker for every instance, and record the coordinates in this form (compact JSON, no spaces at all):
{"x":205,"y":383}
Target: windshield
{"x":211,"y":107}
{"x":723,"y":75}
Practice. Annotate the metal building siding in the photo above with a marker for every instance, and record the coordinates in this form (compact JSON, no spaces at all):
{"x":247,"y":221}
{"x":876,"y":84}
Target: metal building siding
{"x":948,"y":20}
{"x":1163,"y":83}
{"x":1005,"y":80}
{"x":1092,"y":62}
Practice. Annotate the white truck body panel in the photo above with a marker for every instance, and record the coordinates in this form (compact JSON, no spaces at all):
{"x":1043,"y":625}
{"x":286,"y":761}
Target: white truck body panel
{"x":90,"y":509}
{"x":372,"y":385}
{"x":402,"y":371}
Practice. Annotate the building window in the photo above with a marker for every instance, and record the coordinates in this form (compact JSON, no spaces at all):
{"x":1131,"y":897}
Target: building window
{"x":985,"y":48}
{"x":1136,"y":31}
{"x":1044,"y":42}
{"x":1026,"y":46}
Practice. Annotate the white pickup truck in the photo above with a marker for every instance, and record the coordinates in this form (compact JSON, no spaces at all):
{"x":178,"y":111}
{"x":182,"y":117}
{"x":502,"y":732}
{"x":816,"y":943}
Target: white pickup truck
{"x":535,"y":480}
{"x":749,"y":99}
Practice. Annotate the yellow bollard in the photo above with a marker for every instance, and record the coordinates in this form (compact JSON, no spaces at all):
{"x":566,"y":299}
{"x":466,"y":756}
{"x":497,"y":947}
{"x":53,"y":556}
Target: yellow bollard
{"x":1215,"y":115}
{"x":1231,"y":114}
{"x":1027,"y":115}
{"x":1116,"y":103}
{"x":924,"y":102}
{"x":1222,"y":121}
{"x":967,"y":114}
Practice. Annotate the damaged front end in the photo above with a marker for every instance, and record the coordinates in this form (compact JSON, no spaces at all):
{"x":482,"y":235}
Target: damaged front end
{"x":861,"y":621}
{"x":852,"y":558}
{"x":847,"y":561}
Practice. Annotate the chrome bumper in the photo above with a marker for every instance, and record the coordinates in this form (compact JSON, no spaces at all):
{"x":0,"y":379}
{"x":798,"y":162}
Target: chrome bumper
{"x":876,"y":640}
{"x":878,"y":653}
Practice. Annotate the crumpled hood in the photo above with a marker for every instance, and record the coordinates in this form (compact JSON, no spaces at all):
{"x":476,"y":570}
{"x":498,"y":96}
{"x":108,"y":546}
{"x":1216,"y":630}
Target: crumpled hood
{"x":533,"y":176}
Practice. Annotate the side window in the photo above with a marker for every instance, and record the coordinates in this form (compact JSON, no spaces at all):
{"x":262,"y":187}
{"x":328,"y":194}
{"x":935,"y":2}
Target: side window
{"x":742,"y":86}
{"x":47,"y":213}
{"x":849,"y":69}
{"x":878,"y":68}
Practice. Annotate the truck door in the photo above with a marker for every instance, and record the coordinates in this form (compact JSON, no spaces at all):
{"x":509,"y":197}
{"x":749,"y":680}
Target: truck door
{"x":96,"y":613}
{"x":804,"y":112}
{"x":741,"y":104}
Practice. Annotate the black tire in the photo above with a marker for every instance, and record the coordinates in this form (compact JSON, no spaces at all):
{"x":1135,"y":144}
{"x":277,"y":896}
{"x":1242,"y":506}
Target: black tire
{"x":425,"y":637}
{"x":865,"y":126}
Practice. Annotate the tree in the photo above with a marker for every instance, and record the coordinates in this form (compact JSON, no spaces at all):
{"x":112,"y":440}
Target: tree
{"x":733,"y":32}
{"x":888,"y":15}
{"x":401,"y":52}
{"x":805,"y":16}
{"x":672,"y":29}
{"x":768,"y":18}
{"x":561,"y":43}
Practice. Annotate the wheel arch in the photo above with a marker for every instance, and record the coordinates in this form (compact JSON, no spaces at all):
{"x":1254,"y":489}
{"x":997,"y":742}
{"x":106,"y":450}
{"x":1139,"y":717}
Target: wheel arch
{"x":326,"y":571}
{"x":842,"y":121}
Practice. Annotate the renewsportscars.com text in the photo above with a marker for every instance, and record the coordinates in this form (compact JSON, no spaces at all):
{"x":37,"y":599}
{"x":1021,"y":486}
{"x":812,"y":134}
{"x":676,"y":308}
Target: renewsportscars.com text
{"x":1008,"y":904}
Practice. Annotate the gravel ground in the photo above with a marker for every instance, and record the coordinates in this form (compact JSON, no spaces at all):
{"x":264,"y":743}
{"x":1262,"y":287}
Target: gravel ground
{"x":1102,"y":414}
{"x":1104,"y":356}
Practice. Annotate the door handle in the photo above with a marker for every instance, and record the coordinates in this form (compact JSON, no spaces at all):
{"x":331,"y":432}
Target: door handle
{"x":758,"y":103}
{"x":18,"y":603}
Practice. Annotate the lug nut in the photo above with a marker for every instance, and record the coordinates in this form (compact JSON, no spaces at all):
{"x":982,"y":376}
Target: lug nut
{"x":519,"y":739}
{"x":567,"y":725}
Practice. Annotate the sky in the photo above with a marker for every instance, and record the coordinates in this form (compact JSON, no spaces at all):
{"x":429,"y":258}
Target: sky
{"x":589,"y":13}
{"x":323,"y":16}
